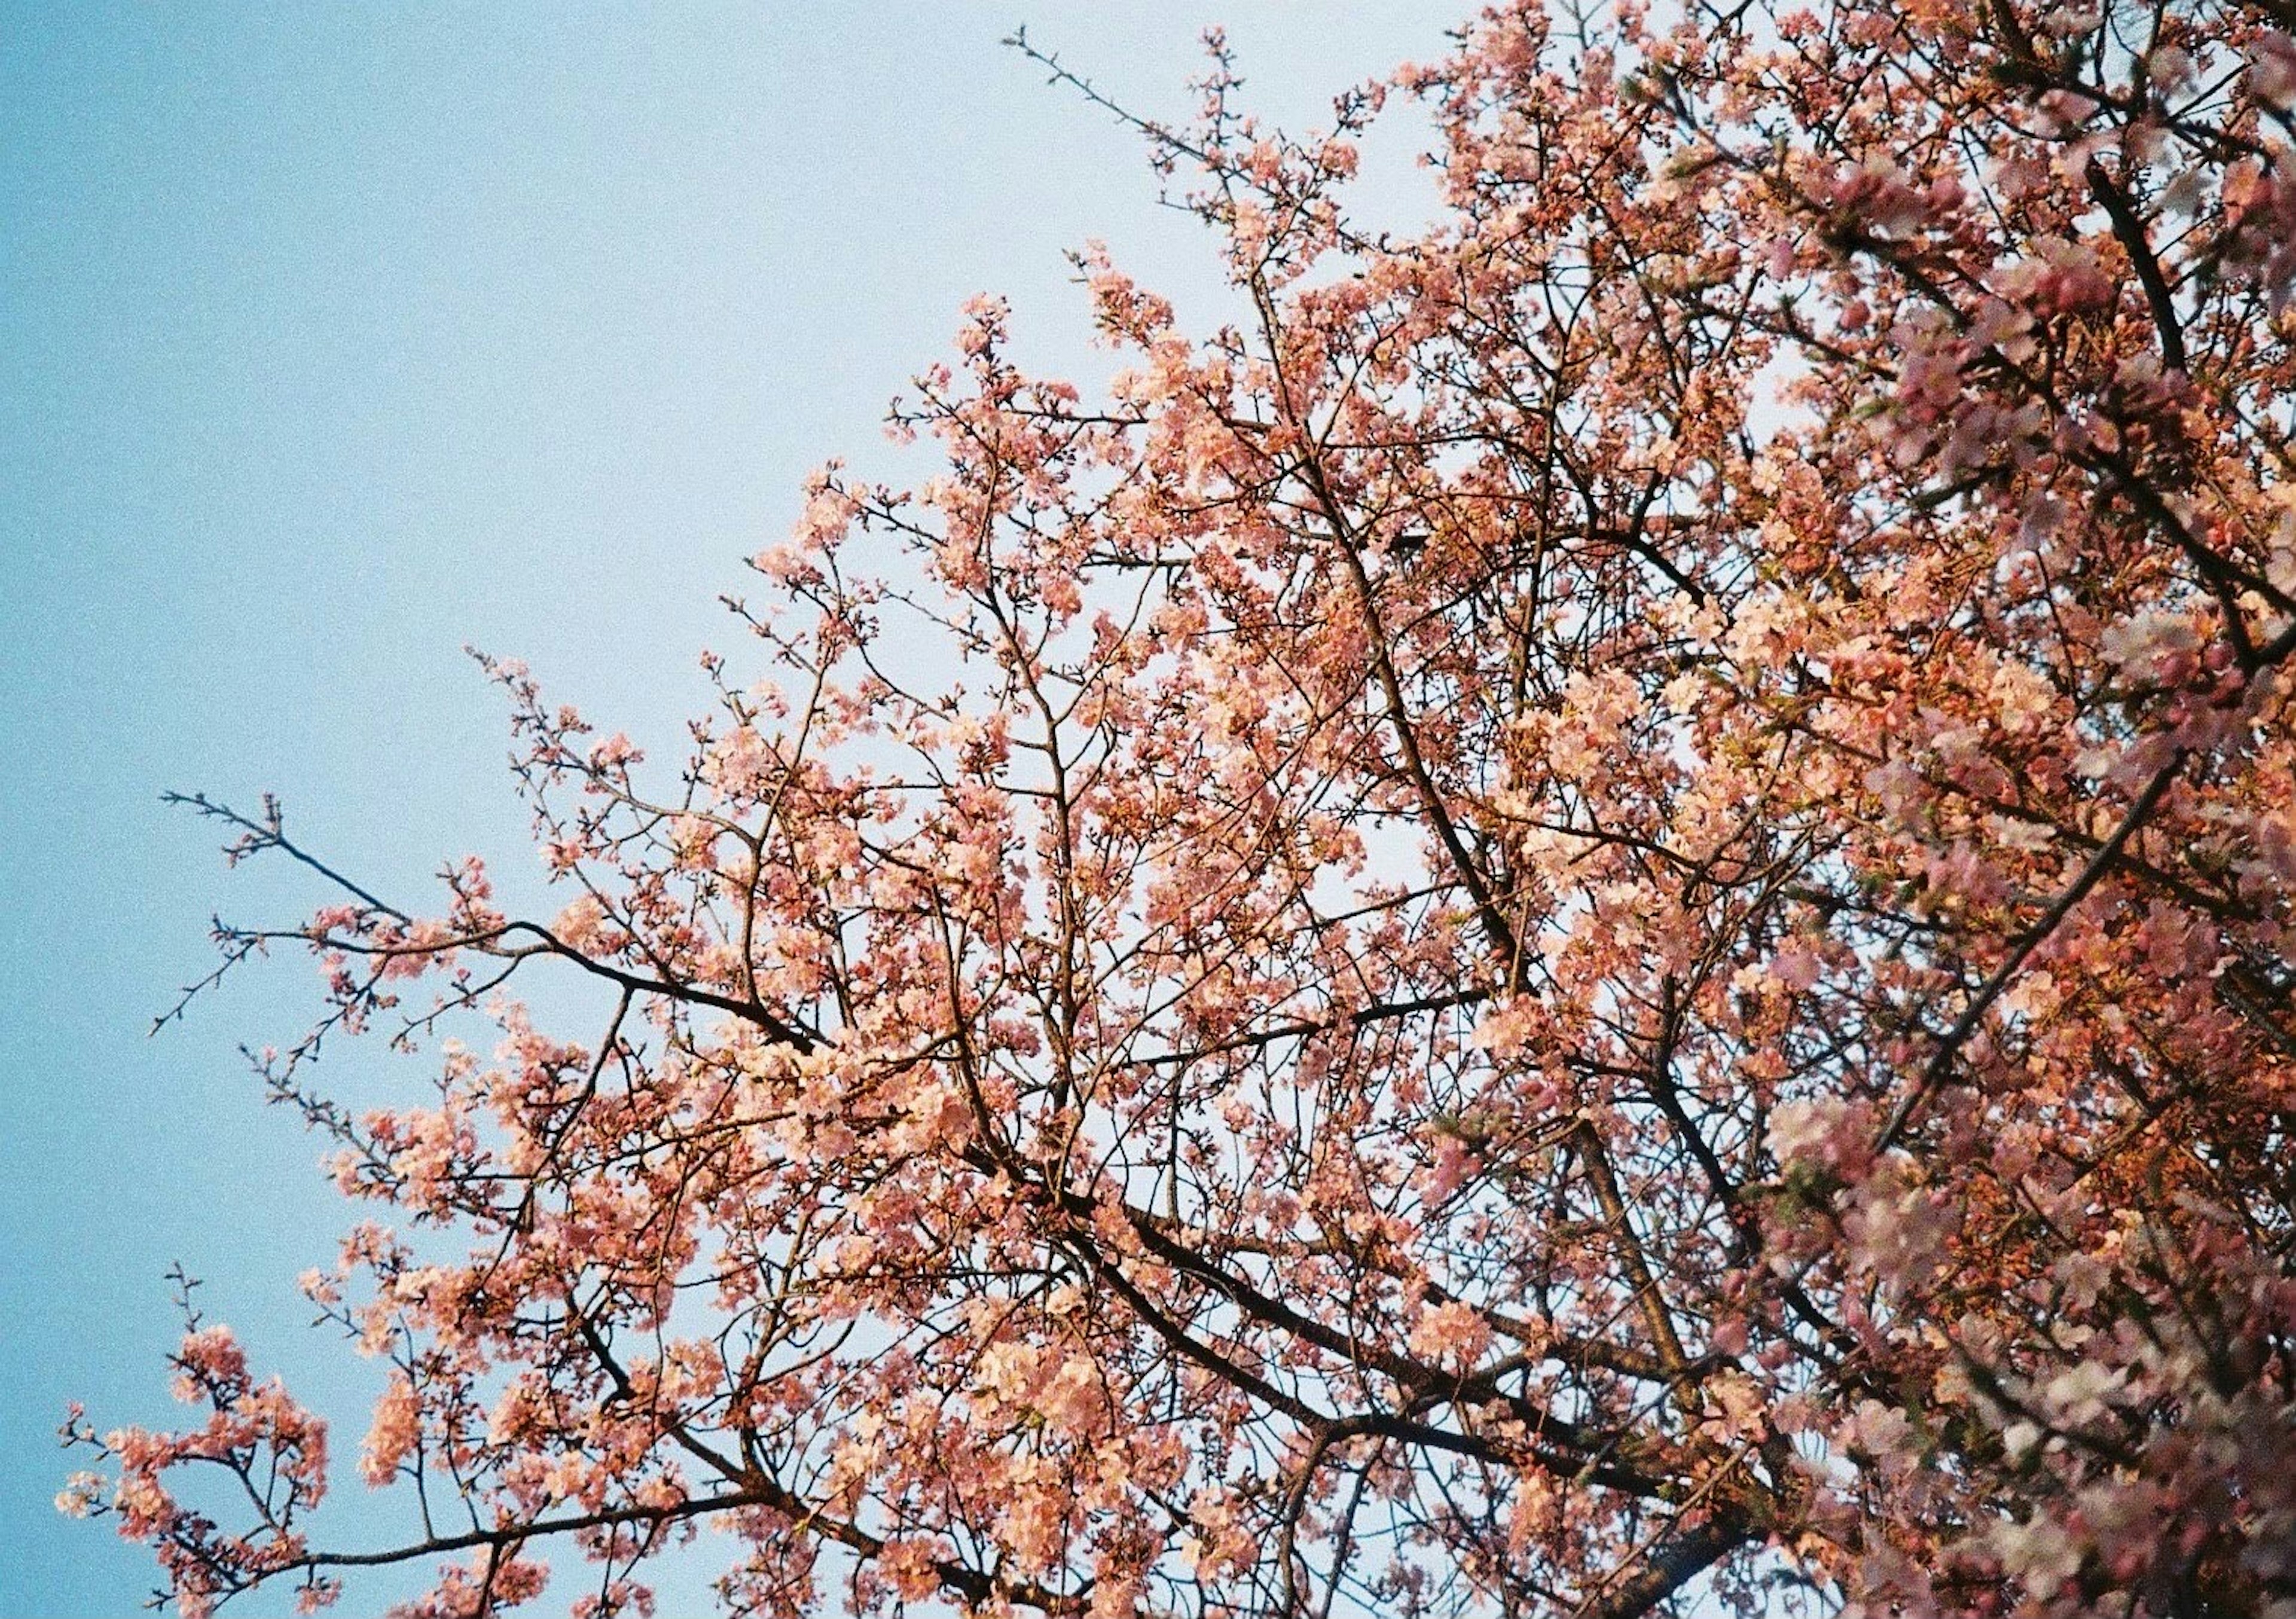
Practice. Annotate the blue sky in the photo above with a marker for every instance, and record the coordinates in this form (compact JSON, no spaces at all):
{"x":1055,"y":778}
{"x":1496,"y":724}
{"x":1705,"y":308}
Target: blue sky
{"x":332,"y":339}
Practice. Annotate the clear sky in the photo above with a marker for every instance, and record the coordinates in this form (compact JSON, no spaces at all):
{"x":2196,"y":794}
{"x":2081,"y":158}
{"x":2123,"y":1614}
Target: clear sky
{"x":334,"y":337}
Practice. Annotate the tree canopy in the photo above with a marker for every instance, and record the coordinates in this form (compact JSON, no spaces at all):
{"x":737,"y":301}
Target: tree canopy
{"x":1595,"y":915}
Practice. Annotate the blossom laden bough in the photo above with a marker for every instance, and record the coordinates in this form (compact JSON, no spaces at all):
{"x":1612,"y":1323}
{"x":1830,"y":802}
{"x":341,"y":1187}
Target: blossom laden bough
{"x":1594,"y":913}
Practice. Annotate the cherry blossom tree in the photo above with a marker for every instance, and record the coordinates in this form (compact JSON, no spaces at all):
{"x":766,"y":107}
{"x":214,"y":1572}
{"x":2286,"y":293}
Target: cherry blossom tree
{"x":1595,"y":915}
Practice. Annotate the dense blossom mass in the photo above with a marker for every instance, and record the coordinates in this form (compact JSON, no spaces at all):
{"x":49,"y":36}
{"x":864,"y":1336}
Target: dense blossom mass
{"x":1595,"y":915}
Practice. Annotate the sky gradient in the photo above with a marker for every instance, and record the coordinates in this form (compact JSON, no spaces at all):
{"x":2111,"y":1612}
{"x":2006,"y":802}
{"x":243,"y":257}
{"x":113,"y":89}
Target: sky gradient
{"x":333,"y":339}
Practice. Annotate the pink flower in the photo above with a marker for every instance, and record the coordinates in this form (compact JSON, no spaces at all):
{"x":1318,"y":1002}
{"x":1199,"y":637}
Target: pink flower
{"x":396,"y":1430}
{"x":1451,"y":1333}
